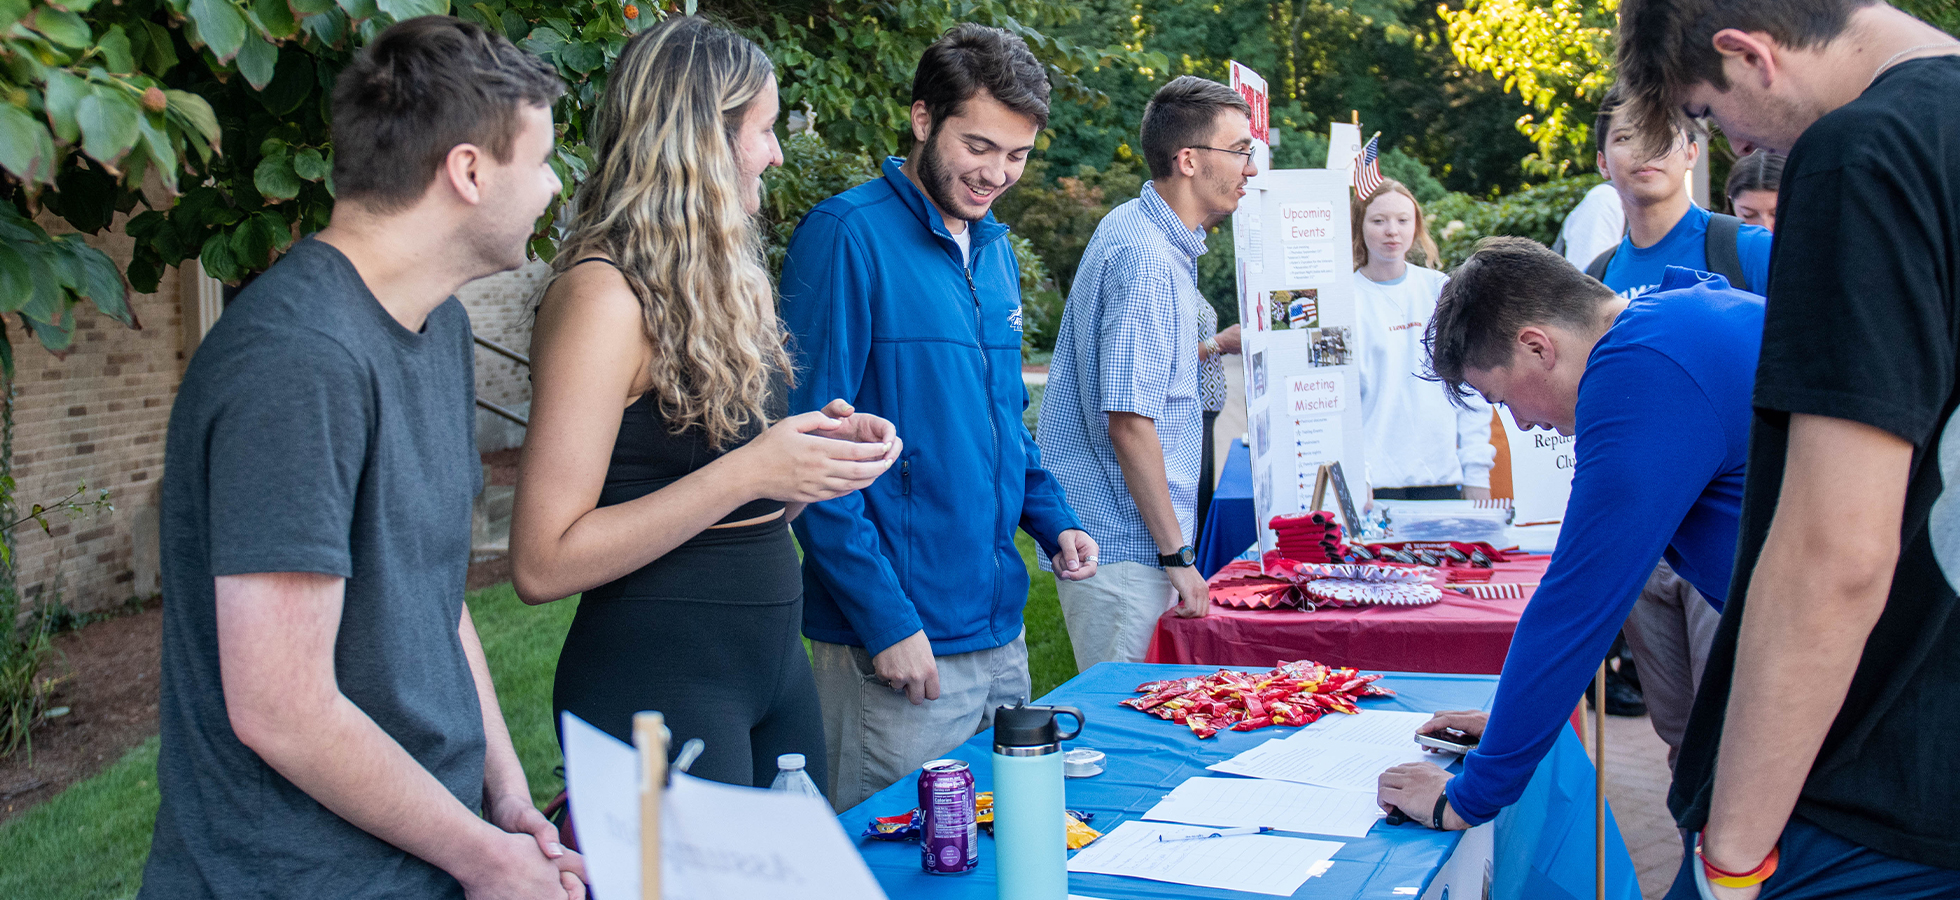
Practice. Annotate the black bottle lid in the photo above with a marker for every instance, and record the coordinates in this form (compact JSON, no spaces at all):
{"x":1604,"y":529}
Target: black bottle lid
{"x":1033,"y":726}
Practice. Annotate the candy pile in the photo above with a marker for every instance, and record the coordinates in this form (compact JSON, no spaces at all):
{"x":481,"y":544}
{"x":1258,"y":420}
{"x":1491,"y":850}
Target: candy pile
{"x":905,"y":826}
{"x":1295,"y":693}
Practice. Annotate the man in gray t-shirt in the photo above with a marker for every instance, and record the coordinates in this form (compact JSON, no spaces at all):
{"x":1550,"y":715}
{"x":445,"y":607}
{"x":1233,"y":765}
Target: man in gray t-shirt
{"x":328,"y":724}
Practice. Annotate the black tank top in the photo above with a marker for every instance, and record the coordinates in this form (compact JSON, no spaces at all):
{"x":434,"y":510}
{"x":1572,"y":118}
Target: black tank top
{"x":647,"y":456}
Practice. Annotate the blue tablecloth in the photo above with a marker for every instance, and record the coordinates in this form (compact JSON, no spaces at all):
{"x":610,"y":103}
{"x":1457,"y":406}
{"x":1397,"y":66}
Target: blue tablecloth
{"x":1544,"y":844}
{"x":1229,"y":524}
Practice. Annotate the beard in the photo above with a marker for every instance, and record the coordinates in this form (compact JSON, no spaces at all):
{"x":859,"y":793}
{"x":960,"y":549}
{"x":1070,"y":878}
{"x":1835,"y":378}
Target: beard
{"x":939,"y":183}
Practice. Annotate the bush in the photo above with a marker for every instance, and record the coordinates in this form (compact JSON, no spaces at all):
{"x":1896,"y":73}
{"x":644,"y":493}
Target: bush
{"x":1458,"y":221}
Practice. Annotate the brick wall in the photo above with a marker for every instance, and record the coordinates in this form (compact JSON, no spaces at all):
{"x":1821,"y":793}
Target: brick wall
{"x":500,"y":310}
{"x":98,"y":415}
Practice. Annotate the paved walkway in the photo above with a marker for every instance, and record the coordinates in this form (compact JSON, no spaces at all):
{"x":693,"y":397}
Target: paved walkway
{"x":1636,"y":785}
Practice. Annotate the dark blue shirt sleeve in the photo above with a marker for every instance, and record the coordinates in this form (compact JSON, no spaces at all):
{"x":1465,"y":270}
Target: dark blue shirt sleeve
{"x":1649,"y":442}
{"x":826,"y":289}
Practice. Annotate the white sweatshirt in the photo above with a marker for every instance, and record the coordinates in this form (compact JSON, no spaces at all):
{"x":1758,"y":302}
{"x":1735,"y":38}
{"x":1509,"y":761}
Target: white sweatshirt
{"x":1594,"y":226}
{"x":1415,"y":436}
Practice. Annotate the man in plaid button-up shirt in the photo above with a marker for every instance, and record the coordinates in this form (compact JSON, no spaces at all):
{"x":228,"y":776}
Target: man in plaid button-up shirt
{"x":1121,"y":424}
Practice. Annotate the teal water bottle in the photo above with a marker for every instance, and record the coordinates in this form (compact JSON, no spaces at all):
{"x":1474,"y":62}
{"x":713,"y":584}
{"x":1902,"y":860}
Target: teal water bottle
{"x":1030,"y":835}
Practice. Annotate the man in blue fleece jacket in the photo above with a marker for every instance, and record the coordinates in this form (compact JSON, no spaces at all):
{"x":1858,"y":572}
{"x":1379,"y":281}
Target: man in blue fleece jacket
{"x":1656,"y":390}
{"x":903,"y":295}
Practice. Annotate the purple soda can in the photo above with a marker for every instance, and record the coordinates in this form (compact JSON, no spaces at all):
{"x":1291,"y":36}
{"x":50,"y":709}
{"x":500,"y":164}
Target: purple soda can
{"x":949,"y":838}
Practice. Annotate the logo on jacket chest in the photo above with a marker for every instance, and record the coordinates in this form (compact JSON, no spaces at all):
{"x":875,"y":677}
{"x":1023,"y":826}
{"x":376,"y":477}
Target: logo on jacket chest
{"x":1014,"y":318}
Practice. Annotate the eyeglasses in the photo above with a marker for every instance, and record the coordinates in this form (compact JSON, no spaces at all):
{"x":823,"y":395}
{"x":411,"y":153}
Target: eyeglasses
{"x":1244,"y":156}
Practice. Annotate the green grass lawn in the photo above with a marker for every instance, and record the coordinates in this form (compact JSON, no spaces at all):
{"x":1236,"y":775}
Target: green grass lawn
{"x":90,"y":840}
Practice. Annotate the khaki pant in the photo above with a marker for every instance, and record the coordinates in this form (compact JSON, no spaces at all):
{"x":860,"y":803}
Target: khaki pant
{"x":1669,"y":632}
{"x":1112,"y":616}
{"x":875,"y":736}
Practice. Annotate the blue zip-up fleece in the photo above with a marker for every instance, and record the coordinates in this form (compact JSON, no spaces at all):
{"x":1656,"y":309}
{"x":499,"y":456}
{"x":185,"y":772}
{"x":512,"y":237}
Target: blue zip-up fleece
{"x":884,"y":314}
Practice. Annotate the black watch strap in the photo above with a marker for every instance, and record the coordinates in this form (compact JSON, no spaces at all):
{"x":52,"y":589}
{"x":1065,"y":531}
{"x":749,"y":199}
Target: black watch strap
{"x":1185,"y":556}
{"x":1442,"y":803}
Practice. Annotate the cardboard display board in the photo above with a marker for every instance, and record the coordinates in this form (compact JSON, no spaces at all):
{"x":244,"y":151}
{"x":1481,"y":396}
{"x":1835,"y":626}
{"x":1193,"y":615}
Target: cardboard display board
{"x":1297,"y":318}
{"x":1541,"y":472}
{"x":1291,"y":241}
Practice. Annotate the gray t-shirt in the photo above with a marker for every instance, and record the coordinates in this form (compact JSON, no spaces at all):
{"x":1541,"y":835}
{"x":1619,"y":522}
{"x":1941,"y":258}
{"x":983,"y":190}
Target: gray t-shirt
{"x":313,"y":433}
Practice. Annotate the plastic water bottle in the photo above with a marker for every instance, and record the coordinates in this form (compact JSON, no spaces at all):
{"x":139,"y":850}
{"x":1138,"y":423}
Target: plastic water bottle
{"x":790,"y":776}
{"x":1030,"y":833}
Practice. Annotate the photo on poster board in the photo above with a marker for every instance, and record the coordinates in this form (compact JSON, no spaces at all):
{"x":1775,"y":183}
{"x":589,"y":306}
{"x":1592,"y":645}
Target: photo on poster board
{"x":1330,"y":346}
{"x":1258,"y":374}
{"x":1288,"y":310}
{"x":1261,"y":436}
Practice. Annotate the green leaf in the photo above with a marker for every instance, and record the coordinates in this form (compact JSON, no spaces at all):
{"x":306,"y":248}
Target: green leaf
{"x":256,"y":60}
{"x":359,"y":10}
{"x":311,"y":7}
{"x":328,"y":28}
{"x":56,"y":336}
{"x":25,"y":147}
{"x":276,"y":17}
{"x":275,"y":177}
{"x":12,"y":11}
{"x":116,"y":54}
{"x":7,"y":368}
{"x":292,"y":81}
{"x":197,"y":112}
{"x":64,"y":28}
{"x":220,"y":27}
{"x":162,"y":152}
{"x":108,"y":118}
{"x":161,"y":54}
{"x":310,"y":165}
{"x":60,"y":96}
{"x":400,"y":10}
{"x":44,"y":302}
{"x":16,"y":283}
{"x":94,"y":278}
{"x":251,"y":245}
{"x":79,"y":6}
{"x":217,"y":259}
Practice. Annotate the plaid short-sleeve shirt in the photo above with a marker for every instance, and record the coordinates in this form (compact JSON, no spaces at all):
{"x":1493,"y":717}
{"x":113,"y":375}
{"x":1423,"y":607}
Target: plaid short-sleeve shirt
{"x":1128,"y":342}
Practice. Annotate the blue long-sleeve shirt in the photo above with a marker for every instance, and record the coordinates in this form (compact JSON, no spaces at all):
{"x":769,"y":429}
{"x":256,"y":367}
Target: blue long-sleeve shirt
{"x":1663,"y":436}
{"x":884,"y":312}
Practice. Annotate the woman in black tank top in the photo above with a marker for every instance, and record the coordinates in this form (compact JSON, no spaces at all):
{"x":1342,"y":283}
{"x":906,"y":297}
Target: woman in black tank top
{"x":651,"y":479}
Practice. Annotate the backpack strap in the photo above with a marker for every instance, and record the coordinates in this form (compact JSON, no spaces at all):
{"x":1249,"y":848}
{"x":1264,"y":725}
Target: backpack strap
{"x":1723,"y":257}
{"x":1598,"y":267}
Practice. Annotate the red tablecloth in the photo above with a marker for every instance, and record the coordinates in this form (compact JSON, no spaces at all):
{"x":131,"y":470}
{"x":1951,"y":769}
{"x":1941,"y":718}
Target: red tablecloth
{"x":1460,"y":634}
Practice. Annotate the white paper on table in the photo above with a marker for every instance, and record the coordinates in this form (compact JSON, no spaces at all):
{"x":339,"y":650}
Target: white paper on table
{"x":1388,"y":728}
{"x":1244,"y":802}
{"x":1257,"y":863}
{"x":1335,"y":764}
{"x":717,"y":841}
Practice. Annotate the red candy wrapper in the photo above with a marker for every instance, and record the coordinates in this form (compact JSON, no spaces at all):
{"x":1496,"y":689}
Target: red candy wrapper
{"x":1292,"y":694}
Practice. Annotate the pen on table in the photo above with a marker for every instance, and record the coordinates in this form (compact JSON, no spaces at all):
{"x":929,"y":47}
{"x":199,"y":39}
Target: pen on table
{"x":1222,"y":832}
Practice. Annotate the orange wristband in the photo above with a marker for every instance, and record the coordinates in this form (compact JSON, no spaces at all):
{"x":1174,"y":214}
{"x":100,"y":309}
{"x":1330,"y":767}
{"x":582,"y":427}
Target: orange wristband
{"x":1721,"y":878}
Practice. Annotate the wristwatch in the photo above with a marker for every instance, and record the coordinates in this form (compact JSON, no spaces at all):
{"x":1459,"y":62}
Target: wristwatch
{"x":1185,"y":556}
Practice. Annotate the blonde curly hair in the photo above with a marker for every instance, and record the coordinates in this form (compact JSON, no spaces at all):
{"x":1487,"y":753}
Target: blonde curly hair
{"x":664,"y":201}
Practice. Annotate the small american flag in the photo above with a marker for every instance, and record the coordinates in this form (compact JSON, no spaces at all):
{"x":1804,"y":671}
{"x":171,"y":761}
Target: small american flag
{"x":1367,"y":171}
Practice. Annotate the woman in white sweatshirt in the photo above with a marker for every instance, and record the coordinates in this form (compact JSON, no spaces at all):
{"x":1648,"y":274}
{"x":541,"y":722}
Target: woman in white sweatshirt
{"x":1420,"y":446}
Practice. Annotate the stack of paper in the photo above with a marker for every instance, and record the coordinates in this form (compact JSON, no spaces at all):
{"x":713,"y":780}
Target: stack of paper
{"x":1259,"y":864}
{"x":1334,"y":764}
{"x":1243,"y":802}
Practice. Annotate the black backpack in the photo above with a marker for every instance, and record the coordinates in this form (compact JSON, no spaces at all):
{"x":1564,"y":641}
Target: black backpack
{"x":1723,"y":259}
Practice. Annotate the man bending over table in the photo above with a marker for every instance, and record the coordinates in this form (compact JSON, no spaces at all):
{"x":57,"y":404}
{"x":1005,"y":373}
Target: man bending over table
{"x":1656,"y":390}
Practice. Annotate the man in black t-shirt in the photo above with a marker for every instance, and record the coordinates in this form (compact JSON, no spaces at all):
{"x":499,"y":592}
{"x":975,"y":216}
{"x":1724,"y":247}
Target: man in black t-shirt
{"x":1820,"y":747}
{"x":329,"y":728}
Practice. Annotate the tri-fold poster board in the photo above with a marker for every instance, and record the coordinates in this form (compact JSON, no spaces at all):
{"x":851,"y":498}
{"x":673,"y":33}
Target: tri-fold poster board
{"x":1292,"y":239}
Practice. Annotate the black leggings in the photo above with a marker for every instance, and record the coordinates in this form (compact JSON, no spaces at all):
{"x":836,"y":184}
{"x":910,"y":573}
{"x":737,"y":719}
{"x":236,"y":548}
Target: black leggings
{"x":705,"y":636}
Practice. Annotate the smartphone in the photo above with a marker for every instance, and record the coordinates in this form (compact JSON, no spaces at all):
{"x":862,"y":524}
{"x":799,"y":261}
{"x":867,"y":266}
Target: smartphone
{"x":1453,"y":740}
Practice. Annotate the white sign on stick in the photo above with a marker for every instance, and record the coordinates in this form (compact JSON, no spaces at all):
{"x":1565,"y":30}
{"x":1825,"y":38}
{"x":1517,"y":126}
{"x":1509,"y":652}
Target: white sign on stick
{"x":1343,"y":145}
{"x":1541,"y":471}
{"x":717,"y":842}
